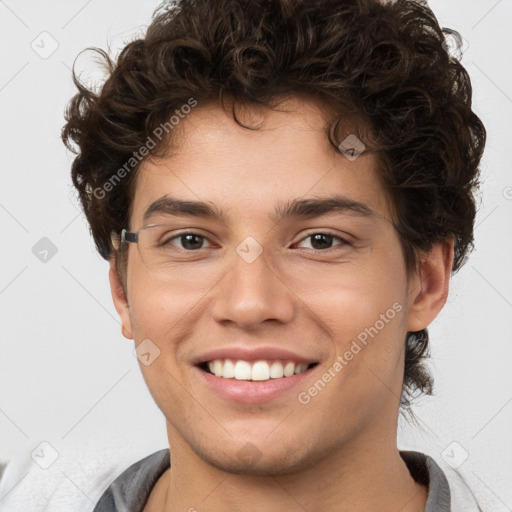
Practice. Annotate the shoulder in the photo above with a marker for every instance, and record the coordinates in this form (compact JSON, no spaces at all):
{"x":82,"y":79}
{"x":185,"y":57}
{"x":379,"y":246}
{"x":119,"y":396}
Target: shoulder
{"x":447,"y":489}
{"x":130,"y":491}
{"x":75,"y":480}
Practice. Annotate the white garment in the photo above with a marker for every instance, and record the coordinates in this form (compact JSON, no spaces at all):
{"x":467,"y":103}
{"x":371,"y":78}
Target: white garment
{"x":76,"y":483}
{"x":73,"y":483}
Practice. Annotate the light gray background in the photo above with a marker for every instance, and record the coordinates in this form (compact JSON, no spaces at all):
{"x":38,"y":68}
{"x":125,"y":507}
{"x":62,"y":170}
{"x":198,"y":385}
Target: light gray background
{"x":68,"y":377}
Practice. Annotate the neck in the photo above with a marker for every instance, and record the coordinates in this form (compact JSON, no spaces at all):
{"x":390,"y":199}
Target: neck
{"x":365,"y":476}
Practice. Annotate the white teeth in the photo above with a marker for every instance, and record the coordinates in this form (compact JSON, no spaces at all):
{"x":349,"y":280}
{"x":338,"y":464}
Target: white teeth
{"x":258,"y":371}
{"x":228,"y":371}
{"x":289,"y":369}
{"x":276,"y":370}
{"x":300,"y":368}
{"x":242,"y":370}
{"x":217,"y":368}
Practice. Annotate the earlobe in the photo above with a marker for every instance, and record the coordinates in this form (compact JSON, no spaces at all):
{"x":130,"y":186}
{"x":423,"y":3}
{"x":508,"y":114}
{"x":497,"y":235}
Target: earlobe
{"x":120,"y":300}
{"x":428,"y":291}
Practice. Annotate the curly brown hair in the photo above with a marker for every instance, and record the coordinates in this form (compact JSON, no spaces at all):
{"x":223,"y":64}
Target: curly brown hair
{"x":384,"y":64}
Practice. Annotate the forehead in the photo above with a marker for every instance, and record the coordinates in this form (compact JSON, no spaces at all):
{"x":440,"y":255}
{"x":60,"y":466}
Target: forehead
{"x":249,"y":171}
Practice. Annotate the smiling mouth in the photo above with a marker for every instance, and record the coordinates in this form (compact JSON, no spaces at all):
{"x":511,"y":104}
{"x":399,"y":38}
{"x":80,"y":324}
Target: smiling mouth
{"x":260,"y":370}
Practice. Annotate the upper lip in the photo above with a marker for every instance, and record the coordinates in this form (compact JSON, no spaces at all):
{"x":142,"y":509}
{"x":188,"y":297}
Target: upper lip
{"x":253,"y":354}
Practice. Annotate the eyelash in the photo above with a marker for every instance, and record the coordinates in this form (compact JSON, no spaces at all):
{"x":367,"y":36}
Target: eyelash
{"x":343,"y":240}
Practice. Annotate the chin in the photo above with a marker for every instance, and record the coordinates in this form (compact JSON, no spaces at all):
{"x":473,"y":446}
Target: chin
{"x":251,"y":461}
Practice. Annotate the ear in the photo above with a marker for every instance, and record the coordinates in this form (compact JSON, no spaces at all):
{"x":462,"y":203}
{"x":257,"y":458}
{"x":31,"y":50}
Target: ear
{"x":428,"y":289}
{"x":120,"y":300}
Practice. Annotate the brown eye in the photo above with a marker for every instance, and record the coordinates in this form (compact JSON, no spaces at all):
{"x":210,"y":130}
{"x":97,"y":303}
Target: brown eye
{"x":188,"y":241}
{"x":323,"y":241}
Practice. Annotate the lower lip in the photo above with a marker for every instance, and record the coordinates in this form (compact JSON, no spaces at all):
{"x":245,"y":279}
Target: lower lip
{"x":249,"y":391}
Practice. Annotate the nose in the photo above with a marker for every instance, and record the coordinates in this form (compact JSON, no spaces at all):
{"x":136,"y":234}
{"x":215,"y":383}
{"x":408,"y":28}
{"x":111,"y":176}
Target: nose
{"x":252,"y":293}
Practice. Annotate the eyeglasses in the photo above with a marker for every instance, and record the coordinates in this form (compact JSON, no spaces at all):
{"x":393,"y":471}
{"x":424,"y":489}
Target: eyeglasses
{"x":160,"y":253}
{"x":158,"y":250}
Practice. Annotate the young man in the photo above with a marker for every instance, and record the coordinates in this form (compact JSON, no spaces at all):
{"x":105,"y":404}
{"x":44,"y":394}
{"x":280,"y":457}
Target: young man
{"x":282,"y":189}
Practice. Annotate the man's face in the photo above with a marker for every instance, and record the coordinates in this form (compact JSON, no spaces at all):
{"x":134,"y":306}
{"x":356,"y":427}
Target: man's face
{"x":341,"y":303}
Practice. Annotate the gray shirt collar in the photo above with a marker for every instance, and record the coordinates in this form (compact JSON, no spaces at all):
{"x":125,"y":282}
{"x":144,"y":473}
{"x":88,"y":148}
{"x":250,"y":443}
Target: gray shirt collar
{"x":426,"y":471}
{"x":130,"y":491}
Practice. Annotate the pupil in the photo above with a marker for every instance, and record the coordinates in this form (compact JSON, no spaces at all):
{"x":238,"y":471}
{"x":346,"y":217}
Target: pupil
{"x":316,"y":240}
{"x":187,"y":241}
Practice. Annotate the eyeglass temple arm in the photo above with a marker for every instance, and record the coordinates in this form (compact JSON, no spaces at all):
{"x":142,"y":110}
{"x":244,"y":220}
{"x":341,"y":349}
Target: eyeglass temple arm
{"x":127,"y":236}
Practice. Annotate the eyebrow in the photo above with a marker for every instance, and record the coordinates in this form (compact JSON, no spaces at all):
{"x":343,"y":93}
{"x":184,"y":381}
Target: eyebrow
{"x":296,"y":208}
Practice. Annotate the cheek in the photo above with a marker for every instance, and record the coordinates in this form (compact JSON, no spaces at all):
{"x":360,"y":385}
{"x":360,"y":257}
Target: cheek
{"x":162,"y":309}
{"x":361,"y":310}
{"x":159,"y":314}
{"x":166,"y":313}
{"x":367,"y":330}
{"x":346,"y":299}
